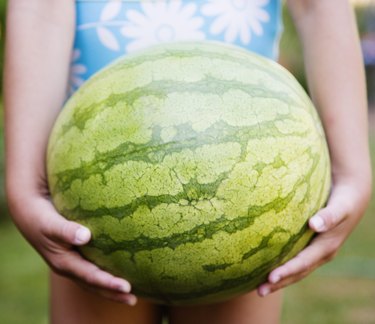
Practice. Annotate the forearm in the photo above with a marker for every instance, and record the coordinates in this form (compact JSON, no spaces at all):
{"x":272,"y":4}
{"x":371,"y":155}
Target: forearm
{"x":336,"y":81}
{"x":337,"y":84}
{"x":38,"y":45}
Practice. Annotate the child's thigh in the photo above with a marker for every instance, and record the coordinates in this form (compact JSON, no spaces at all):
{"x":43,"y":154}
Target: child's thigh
{"x":70,"y":304}
{"x":246,"y":309}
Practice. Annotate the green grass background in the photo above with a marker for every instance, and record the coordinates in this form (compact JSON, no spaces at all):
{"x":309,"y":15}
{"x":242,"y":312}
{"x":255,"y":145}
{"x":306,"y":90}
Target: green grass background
{"x":341,"y":292}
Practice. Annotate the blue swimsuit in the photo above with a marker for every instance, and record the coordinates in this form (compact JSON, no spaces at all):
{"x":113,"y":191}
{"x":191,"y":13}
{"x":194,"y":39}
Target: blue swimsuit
{"x":107,"y":29}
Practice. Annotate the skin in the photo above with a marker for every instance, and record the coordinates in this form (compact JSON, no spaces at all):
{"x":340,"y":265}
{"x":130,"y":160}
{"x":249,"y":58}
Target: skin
{"x":337,"y":84}
{"x":336,"y":80}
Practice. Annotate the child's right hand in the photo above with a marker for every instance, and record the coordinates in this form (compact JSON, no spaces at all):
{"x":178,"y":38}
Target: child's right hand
{"x":34,"y":92}
{"x":56,"y":238}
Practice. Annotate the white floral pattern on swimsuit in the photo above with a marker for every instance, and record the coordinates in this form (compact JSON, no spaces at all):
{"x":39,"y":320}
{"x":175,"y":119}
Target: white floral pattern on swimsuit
{"x":76,"y":71}
{"x":107,"y":29}
{"x":237,"y":18}
{"x":162,"y":22}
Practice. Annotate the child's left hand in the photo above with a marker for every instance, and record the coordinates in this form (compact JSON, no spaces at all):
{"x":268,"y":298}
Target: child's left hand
{"x":340,"y":97}
{"x":347,"y":203}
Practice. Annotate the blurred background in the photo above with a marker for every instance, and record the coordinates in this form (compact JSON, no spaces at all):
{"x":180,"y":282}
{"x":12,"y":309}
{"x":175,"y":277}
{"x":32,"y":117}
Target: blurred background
{"x":342,"y":291}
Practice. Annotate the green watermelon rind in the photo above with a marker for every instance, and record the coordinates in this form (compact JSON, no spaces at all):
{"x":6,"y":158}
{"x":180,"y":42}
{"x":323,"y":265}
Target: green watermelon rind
{"x":190,"y":194}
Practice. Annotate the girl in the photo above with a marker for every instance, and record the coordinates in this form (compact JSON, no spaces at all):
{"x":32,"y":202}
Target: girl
{"x":40,"y":36}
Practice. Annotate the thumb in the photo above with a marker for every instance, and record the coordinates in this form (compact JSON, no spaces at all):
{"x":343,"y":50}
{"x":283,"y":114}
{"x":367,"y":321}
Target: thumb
{"x":58,"y":228}
{"x":329,"y":217}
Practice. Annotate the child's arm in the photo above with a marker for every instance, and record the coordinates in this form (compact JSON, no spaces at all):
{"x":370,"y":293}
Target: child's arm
{"x":337,"y":84}
{"x":38,"y":45}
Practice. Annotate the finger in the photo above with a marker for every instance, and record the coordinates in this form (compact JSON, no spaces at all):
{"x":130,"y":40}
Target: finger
{"x":73,"y":265}
{"x":329,"y":217}
{"x":57,"y":228}
{"x":115,"y":296}
{"x":128,"y":299}
{"x":268,"y":288}
{"x":299,"y":267}
{"x":314,"y":255}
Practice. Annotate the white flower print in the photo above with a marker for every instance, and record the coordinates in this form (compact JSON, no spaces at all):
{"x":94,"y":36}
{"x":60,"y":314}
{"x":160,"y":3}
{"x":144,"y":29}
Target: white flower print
{"x":104,"y":26}
{"x":107,"y":38}
{"x":237,"y":18}
{"x":76,"y":72}
{"x":161,"y":22}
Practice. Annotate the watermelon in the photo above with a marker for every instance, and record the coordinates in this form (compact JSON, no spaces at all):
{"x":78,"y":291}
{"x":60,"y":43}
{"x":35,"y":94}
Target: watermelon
{"x":196,"y":167}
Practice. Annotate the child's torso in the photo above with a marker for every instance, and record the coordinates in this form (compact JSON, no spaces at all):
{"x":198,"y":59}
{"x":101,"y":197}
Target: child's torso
{"x":107,"y":29}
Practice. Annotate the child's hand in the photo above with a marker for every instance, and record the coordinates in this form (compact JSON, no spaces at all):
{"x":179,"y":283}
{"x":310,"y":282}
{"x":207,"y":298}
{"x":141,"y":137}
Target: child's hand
{"x":55,"y":238}
{"x":334,"y":223}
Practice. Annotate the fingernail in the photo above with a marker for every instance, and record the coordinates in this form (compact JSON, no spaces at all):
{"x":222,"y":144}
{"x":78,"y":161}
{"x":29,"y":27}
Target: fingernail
{"x":124,"y":287}
{"x":264,"y":291}
{"x":275,"y":278}
{"x":131,"y":300}
{"x":82,"y":235}
{"x":317,"y":223}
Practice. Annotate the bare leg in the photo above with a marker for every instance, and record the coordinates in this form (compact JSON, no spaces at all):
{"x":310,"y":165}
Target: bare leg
{"x":246,"y":309}
{"x":70,"y":304}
